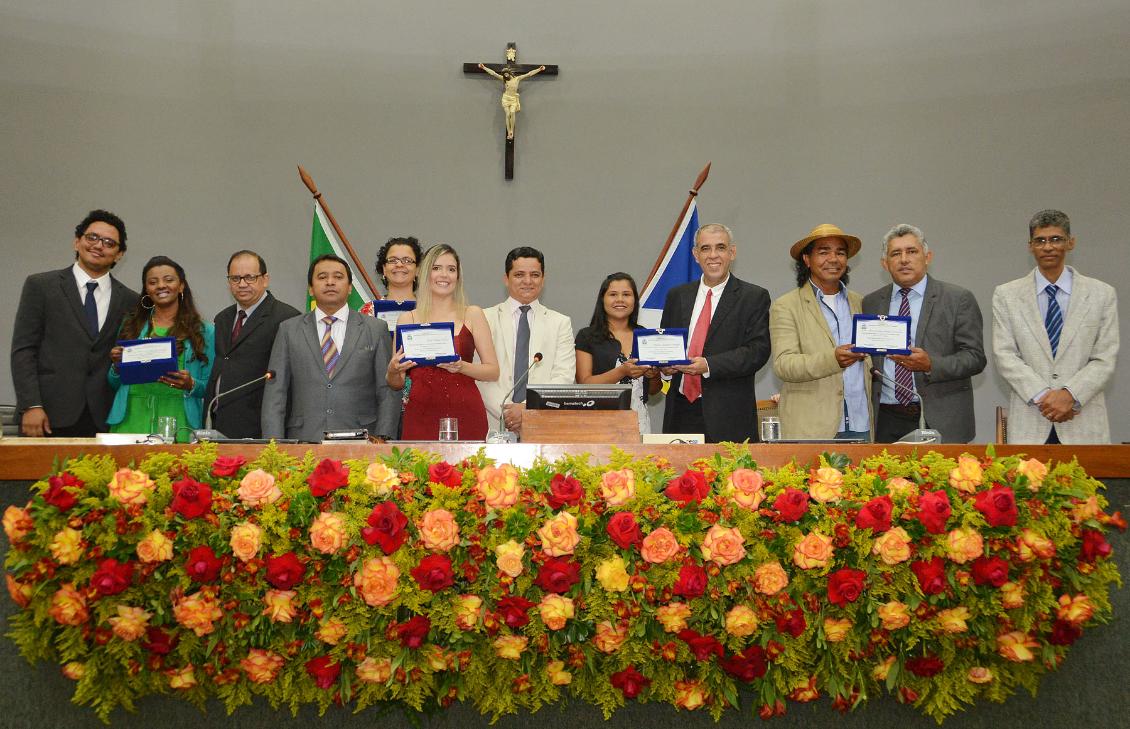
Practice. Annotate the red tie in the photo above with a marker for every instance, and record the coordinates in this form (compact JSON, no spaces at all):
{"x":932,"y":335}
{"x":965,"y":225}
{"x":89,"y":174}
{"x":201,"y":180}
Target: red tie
{"x":238,"y":325}
{"x":692,"y":384}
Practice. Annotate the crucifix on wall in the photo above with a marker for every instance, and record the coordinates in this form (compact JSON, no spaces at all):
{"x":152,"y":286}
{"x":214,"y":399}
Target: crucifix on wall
{"x":510,"y":74}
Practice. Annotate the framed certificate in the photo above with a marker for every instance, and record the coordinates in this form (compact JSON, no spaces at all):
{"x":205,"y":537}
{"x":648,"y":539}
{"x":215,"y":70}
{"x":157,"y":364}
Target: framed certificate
{"x":389,"y":311}
{"x":660,"y":347}
{"x":880,"y":334}
{"x":147,"y":360}
{"x":427,"y":344}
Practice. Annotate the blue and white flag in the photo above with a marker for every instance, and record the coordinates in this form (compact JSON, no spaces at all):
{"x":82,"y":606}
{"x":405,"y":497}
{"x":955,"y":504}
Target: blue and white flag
{"x":676,"y":267}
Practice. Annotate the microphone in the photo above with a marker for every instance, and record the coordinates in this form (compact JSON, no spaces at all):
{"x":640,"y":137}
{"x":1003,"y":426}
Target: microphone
{"x":501,"y":416}
{"x":922,"y":434}
{"x":208,"y":433}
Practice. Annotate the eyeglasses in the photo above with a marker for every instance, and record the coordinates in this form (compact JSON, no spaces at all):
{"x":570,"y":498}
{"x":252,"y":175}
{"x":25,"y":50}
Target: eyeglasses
{"x":93,"y":239}
{"x":1056,"y":241}
{"x":249,"y":278}
{"x":401,"y":261}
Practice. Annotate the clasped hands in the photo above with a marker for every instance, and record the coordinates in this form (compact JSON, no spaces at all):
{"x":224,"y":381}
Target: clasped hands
{"x":1057,"y":406}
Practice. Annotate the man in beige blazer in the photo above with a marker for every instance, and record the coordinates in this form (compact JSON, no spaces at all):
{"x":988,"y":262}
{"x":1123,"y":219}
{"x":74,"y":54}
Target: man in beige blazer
{"x":1055,"y":340}
{"x":550,"y":333}
{"x":824,"y":385}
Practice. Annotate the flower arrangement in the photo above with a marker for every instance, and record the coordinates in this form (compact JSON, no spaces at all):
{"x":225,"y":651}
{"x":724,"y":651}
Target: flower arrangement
{"x":412,"y":582}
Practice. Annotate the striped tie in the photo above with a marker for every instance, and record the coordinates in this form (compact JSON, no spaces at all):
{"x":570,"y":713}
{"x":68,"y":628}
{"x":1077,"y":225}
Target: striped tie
{"x":329,"y":349}
{"x":902,"y":374}
{"x":1053,"y":322}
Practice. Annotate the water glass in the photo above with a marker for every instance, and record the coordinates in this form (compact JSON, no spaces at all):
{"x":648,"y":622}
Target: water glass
{"x":449,"y":428}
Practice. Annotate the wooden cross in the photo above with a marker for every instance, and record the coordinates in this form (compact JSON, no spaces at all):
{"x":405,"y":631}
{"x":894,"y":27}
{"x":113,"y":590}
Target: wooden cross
{"x":510,"y":73}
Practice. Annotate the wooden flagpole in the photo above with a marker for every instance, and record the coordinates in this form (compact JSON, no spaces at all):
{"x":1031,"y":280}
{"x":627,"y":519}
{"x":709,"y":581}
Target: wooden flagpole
{"x":692,"y":194}
{"x":320,"y":200}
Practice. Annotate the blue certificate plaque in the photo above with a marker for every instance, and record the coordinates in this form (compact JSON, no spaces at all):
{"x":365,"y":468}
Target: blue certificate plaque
{"x":427,"y":344}
{"x":660,"y":347}
{"x":880,"y":334}
{"x":147,"y":360}
{"x":389,"y":311}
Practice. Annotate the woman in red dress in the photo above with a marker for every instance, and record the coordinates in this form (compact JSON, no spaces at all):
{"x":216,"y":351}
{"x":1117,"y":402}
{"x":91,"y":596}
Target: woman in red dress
{"x":445,"y":390}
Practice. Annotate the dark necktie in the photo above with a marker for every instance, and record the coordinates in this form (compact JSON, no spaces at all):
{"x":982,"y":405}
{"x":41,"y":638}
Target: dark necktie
{"x":902,"y":375}
{"x":522,"y":354}
{"x":1053,"y":321}
{"x":238,"y":325}
{"x":91,"y":307}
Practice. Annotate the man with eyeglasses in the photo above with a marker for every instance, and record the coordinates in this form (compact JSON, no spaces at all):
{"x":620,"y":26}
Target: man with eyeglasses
{"x":245,"y":333}
{"x":1055,"y":340}
{"x":66,"y":324}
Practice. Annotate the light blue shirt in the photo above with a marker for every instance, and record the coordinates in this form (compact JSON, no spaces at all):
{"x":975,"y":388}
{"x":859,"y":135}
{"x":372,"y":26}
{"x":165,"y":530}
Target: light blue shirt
{"x":837,"y":312}
{"x":1062,"y":297}
{"x":915,"y":298}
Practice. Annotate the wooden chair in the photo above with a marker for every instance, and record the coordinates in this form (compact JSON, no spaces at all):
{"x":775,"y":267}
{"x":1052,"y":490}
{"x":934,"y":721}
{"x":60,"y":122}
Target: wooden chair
{"x":1002,"y":425}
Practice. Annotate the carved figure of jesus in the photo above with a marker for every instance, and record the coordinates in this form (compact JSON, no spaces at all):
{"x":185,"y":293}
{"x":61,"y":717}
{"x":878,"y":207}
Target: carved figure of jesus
{"x":511,"y":103}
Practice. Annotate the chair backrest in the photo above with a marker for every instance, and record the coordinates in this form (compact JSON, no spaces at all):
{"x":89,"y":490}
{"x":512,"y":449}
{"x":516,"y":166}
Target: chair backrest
{"x":1002,"y":425}
{"x":11,"y":426}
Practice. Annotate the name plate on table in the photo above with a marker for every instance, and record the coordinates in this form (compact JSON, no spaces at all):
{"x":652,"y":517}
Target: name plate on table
{"x":880,"y":334}
{"x":660,"y":347}
{"x":427,"y":344}
{"x":389,"y":311}
{"x":147,"y":360}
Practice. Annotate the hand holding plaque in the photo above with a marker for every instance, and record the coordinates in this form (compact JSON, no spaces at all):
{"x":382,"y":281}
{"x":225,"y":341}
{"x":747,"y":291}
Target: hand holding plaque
{"x":427,"y":344}
{"x":660,"y":347}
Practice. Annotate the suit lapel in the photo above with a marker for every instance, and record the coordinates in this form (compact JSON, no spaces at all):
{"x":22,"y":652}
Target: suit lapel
{"x":310,"y":327}
{"x":257,"y":317}
{"x":1078,"y":307}
{"x":928,"y":300}
{"x":1030,"y":313}
{"x":726,"y":303}
{"x":69,"y":290}
{"x":539,"y":332}
{"x":812,"y":307}
{"x":117,"y":303}
{"x":505,"y":324}
{"x":351,"y":340}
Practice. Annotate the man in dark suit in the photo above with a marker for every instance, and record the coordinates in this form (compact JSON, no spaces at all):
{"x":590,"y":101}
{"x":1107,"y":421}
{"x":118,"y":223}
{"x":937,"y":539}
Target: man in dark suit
{"x":66,"y":324}
{"x":728,"y":342}
{"x":330,"y":366}
{"x":245,"y":333}
{"x":947,"y":346}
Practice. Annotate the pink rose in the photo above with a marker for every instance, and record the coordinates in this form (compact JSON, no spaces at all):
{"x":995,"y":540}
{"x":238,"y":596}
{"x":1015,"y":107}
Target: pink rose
{"x":498,"y":486}
{"x":559,"y":535}
{"x":618,"y":487}
{"x":131,"y":487}
{"x":814,"y":550}
{"x":245,"y":540}
{"x":438,"y":530}
{"x":659,"y":546}
{"x":258,"y":488}
{"x":377,"y":581}
{"x":745,"y":486}
{"x":826,"y":484}
{"x":770,"y":578}
{"x":723,"y":545}
{"x":327,"y":532}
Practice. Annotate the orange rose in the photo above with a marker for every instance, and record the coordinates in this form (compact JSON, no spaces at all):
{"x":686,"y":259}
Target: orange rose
{"x":197,"y":612}
{"x":381,"y":479}
{"x":436,"y":658}
{"x":498,"y":486}
{"x":156,"y":547}
{"x":438,"y":530}
{"x":559,"y":535}
{"x":880,"y":672}
{"x":899,"y":486}
{"x":689,"y":694}
{"x":1035,"y":470}
{"x":826,"y":485}
{"x":1012,"y":595}
{"x":556,"y":610}
{"x":327,"y":532}
{"x":74,"y":670}
{"x":374,"y":670}
{"x":510,"y":647}
{"x":558,"y":676}
{"x":1076,"y":610}
{"x":262,"y":666}
{"x":280,"y":605}
{"x":952,"y":620}
{"x":467,"y":609}
{"x":968,"y":475}
{"x":19,"y":592}
{"x":17,"y":523}
{"x":770,"y":578}
{"x":723,"y":545}
{"x":66,"y":546}
{"x":331,"y":631}
{"x":836,"y":629}
{"x":377,"y":581}
{"x":673,"y":617}
{"x":745,"y":487}
{"x":131,"y":487}
{"x":609,"y":637}
{"x":618,"y":487}
{"x":181,"y":678}
{"x":659,"y":546}
{"x":258,"y":488}
{"x":1017,"y":646}
{"x":613,"y":574}
{"x":509,"y":556}
{"x":246,"y":538}
{"x":815,"y":550}
{"x":979,"y":674}
{"x":741,"y":621}
{"x":68,"y":607}
{"x":806,"y":692}
{"x":1086,"y":509}
{"x":964,"y":545}
{"x":1034,"y":546}
{"x":892,"y":546}
{"x":894,"y":615}
{"x":130,"y":623}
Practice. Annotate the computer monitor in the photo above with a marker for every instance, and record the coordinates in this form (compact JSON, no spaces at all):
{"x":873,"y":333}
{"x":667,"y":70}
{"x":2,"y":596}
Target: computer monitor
{"x":579,"y":397}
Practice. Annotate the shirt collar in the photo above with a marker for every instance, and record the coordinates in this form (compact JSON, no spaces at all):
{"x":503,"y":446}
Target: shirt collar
{"x":342,"y":314}
{"x":251,"y":309}
{"x":717,"y":289}
{"x":820,"y":295}
{"x":918,"y":288}
{"x":513,"y":304}
{"x":82,"y":277}
{"x":1064,"y":282}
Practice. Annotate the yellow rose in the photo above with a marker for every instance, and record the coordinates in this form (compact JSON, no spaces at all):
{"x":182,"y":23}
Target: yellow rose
{"x":815,"y":550}
{"x":1017,"y":646}
{"x":258,"y":488}
{"x":156,"y":547}
{"x":436,"y":657}
{"x":745,"y":487}
{"x":374,"y":670}
{"x":327,"y":532}
{"x":438,"y":530}
{"x":894,"y":615}
{"x":280,"y":605}
{"x":74,"y":670}
{"x":68,"y":607}
{"x":17,"y":523}
{"x":1012,"y":595}
{"x":899,"y":486}
{"x":181,"y":678}
{"x":964,"y":545}
{"x":510,"y":647}
{"x":826,"y":485}
{"x":741,"y":621}
{"x":968,"y":475}
{"x":556,"y":610}
{"x":613,"y":574}
{"x":723,"y":545}
{"x":618,"y":487}
{"x":770,"y":578}
{"x":558,"y":676}
{"x":509,"y":556}
{"x":559,"y":535}
{"x":836,"y":629}
{"x":892,"y":546}
{"x":1035,"y":470}
{"x":979,"y":674}
{"x":673,"y":617}
{"x":880,"y":671}
{"x":609,"y":637}
{"x":246,"y":538}
{"x":659,"y":546}
{"x":376,"y":581}
{"x":498,"y":486}
{"x":262,"y":666}
{"x":952,"y":620}
{"x":689,"y":694}
{"x":381,"y":478}
{"x":66,"y":546}
{"x":131,"y":487}
{"x":467,"y":609}
{"x":331,"y":631}
{"x":1076,"y":609}
{"x":1034,"y":546}
{"x":197,"y":612}
{"x":130,"y":623}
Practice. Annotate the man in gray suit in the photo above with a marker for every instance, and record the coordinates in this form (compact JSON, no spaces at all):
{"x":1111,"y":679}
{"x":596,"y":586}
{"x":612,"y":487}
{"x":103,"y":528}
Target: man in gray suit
{"x":330,"y":366}
{"x":1055,"y":340}
{"x":947,"y":346}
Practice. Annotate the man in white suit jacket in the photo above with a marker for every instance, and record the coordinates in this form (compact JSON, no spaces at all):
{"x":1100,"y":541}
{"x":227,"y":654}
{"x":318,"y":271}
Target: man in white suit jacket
{"x":1057,"y":390}
{"x":551,"y":333}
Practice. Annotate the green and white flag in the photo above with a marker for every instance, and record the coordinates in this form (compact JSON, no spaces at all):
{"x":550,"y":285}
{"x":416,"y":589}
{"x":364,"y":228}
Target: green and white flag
{"x":323,"y":240}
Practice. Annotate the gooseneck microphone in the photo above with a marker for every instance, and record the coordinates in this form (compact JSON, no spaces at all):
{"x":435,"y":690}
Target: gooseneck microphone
{"x":501,"y":415}
{"x":268,"y":375}
{"x":922,"y":434}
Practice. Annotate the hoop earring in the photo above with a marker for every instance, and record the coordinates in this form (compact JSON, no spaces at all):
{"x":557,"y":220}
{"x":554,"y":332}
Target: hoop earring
{"x":148,"y":307}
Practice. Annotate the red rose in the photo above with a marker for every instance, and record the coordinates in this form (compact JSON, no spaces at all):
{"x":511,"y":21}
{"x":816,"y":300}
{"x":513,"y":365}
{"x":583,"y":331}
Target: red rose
{"x":413,"y":632}
{"x":745,"y":666}
{"x":1064,"y":633}
{"x":990,"y":571}
{"x":433,"y":573}
{"x":112,"y":576}
{"x":998,"y":504}
{"x":191,"y":499}
{"x":446,"y":474}
{"x":324,"y":670}
{"x":931,"y":575}
{"x":624,"y":530}
{"x":514,"y":610}
{"x":202,"y":565}
{"x":60,"y":492}
{"x":564,"y":490}
{"x":630,"y":682}
{"x":691,"y":582}
{"x":386,"y":527}
{"x":689,"y":488}
{"x":875,"y":515}
{"x":791,"y":504}
{"x":926,"y":666}
{"x":285,"y":572}
{"x":792,"y":623}
{"x":934,"y":510}
{"x":225,"y":466}
{"x":702,"y":646}
{"x":558,"y":574}
{"x":327,"y":476}
{"x":158,"y":642}
{"x":845,"y":585}
{"x":1094,"y":545}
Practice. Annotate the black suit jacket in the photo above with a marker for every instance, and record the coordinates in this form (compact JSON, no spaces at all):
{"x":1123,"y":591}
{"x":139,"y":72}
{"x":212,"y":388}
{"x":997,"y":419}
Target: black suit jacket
{"x":737,"y":346}
{"x":238,"y":415}
{"x":56,"y":362}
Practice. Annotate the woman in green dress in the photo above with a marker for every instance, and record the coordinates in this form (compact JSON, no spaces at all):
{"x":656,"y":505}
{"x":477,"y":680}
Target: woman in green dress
{"x":166,"y":309}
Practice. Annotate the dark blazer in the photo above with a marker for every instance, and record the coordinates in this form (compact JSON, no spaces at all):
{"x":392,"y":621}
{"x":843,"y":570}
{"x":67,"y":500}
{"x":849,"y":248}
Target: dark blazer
{"x":950,"y":329}
{"x":238,"y":415}
{"x":737,"y":346}
{"x":56,"y":363}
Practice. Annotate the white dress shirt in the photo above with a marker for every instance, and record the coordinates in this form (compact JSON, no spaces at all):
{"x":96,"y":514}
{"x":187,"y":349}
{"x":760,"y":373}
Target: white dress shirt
{"x":337,"y":331}
{"x":101,"y":294}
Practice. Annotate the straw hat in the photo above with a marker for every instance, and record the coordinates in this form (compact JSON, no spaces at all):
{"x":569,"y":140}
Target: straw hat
{"x":827,"y":230}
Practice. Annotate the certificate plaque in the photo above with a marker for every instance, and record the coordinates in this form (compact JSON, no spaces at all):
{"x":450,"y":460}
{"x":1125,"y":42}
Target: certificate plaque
{"x":880,"y":334}
{"x":427,"y":344}
{"x":660,"y":347}
{"x":389,"y":311}
{"x":147,"y":360}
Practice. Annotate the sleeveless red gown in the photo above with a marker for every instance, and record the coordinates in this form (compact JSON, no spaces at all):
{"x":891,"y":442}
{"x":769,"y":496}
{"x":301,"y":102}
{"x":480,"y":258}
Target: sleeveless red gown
{"x":437,"y":393}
